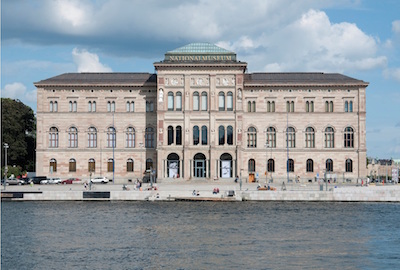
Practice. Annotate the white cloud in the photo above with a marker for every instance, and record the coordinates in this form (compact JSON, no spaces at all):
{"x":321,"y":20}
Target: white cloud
{"x":393,"y":73}
{"x":19,"y":91}
{"x":311,"y":43}
{"x":88,"y":62}
{"x":396,"y":27}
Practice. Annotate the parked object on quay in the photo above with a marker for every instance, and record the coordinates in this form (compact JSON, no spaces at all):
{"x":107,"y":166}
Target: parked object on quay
{"x":100,"y":179}
{"x":51,"y":181}
{"x":14,"y":181}
{"x":71,"y":181}
{"x":37,"y":179}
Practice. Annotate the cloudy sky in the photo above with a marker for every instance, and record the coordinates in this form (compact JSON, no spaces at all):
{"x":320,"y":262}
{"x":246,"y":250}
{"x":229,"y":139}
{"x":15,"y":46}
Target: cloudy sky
{"x":359,"y":38}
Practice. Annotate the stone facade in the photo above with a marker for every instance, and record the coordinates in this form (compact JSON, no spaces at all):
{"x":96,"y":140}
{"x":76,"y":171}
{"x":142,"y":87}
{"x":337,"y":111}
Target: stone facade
{"x":198,"y":119}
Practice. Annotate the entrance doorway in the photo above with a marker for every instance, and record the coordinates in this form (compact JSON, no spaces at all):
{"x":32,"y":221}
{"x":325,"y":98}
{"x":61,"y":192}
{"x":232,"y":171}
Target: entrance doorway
{"x":199,"y":166}
{"x":173,"y":165}
{"x":225,"y":166}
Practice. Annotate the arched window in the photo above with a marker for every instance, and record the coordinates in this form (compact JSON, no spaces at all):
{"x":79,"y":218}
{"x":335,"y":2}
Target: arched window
{"x":170,"y":101}
{"x":273,"y":106}
{"x":331,"y":106}
{"x":271,"y":165}
{"x":92,"y":137}
{"x":51,"y":106}
{"x":196,"y":135}
{"x":229,"y":105}
{"x":55,"y":106}
{"x":74,"y":106}
{"x":329,"y":137}
{"x":149,"y":164}
{"x":326,"y":106}
{"x":196,"y":101}
{"x":271,"y":137}
{"x":129,"y":165}
{"x":130,"y":106}
{"x":329,"y":165}
{"x":110,"y":165}
{"x":290,"y":165}
{"x":53,"y":137}
{"x":72,"y":165}
{"x":249,"y":106}
{"x":221,"y":135}
{"x":149,"y":137}
{"x":73,"y":137}
{"x":170,"y":135}
{"x":346,"y":106}
{"x":310,"y":165}
{"x":251,"y":137}
{"x":289,"y":106}
{"x":290,"y":137}
{"x":348,"y":137}
{"x":111,"y":137}
{"x":179,"y":101}
{"x":310,"y":137}
{"x":268,"y":106}
{"x":221,"y":101}
{"x":93,"y":106}
{"x":149,"y":106}
{"x":229,"y":135}
{"x":113,"y":106}
{"x":350,"y":106}
{"x":204,"y":136}
{"x":309,"y":106}
{"x":109,"y":106}
{"x":253,"y":106}
{"x":349,"y":165}
{"x":252,"y":165}
{"x":178,"y":135}
{"x":130,"y":137}
{"x":89,"y":106}
{"x":70,"y":106}
{"x":91,"y":165}
{"x":53,"y":165}
{"x":204,"y":101}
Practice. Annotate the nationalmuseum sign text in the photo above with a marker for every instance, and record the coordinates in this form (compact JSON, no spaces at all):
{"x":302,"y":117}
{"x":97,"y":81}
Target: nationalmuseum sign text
{"x":200,"y":57}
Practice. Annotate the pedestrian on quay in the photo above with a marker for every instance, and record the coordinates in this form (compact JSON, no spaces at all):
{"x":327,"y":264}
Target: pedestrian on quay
{"x":236,"y":179}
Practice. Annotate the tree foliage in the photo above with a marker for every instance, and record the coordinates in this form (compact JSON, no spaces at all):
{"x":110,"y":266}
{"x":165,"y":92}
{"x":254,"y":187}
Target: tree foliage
{"x":18,"y":129}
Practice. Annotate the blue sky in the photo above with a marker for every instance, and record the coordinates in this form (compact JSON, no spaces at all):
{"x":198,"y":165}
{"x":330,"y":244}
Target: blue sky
{"x":361,"y":39}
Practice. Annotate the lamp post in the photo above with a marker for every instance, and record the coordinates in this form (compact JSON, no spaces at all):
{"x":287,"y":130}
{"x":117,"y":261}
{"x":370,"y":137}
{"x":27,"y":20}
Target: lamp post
{"x":6,"y":167}
{"x":266,"y":161}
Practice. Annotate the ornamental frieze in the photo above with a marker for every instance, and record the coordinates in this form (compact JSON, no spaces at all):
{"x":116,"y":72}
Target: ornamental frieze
{"x":174,"y":81}
{"x":228,"y":80}
{"x":200,"y":81}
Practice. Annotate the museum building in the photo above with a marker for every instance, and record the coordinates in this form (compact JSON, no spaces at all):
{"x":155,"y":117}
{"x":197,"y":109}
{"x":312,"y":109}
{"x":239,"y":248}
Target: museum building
{"x":202,"y":116}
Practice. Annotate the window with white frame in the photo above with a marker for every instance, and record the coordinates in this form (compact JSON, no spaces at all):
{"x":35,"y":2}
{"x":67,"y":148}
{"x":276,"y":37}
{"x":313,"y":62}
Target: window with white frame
{"x":130,"y":137}
{"x":73,"y":137}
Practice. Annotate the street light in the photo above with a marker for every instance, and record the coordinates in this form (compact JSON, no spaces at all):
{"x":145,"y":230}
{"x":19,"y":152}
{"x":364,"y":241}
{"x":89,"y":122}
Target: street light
{"x":6,"y":167}
{"x":266,"y":161}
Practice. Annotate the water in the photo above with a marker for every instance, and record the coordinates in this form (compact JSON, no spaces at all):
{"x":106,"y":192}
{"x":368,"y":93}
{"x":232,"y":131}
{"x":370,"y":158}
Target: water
{"x":205,"y":235}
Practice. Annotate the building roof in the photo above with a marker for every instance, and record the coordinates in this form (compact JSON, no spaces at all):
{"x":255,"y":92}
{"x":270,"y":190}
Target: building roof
{"x":201,"y":47}
{"x":100,"y":79}
{"x":299,"y":78}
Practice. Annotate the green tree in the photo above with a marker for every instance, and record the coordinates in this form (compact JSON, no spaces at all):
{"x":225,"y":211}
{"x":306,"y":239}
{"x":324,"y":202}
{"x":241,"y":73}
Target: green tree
{"x":18,"y":129}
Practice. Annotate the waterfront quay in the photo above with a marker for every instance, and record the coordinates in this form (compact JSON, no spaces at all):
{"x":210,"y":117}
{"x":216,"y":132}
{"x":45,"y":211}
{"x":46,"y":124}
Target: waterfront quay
{"x":203,"y":191}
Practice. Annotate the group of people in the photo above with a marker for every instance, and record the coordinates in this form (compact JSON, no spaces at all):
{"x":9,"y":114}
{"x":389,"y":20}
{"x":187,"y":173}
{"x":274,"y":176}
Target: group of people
{"x":215,"y":190}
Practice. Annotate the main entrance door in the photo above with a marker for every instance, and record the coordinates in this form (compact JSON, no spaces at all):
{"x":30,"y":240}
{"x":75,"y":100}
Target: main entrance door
{"x":199,"y":166}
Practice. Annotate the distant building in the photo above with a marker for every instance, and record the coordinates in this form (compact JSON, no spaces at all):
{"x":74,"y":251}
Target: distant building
{"x":202,"y":116}
{"x":382,"y":169}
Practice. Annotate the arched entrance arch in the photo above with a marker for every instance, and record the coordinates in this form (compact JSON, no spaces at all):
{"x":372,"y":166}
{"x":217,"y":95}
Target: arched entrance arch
{"x":225,"y":166}
{"x":199,"y":166}
{"x":173,"y":165}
